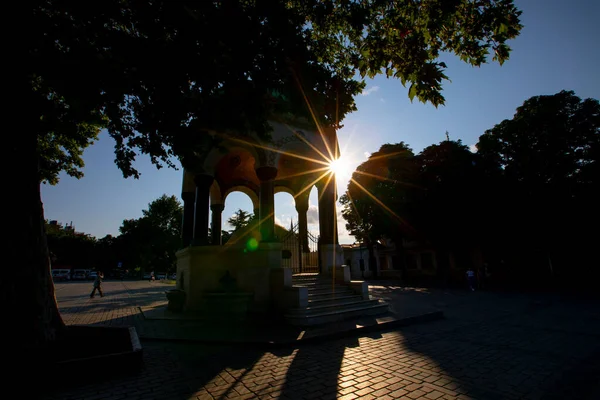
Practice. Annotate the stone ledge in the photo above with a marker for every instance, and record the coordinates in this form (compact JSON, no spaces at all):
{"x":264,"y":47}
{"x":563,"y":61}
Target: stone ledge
{"x":267,"y":335}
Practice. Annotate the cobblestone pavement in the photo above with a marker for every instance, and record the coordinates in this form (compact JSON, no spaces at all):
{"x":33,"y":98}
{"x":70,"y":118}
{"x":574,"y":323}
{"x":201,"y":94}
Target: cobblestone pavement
{"x":490,"y":346}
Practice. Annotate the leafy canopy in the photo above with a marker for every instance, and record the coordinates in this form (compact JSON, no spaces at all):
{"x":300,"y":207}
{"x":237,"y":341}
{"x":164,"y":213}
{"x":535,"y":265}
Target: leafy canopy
{"x":546,"y":159}
{"x":152,"y":240}
{"x":377,"y":188}
{"x":159,"y":74}
{"x":429,"y":196}
{"x":551,"y":140}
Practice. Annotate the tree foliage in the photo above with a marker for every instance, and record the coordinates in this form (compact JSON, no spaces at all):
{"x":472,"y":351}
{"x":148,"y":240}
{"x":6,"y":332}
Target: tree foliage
{"x":377,"y":189}
{"x":528,"y":197}
{"x":545,"y":165}
{"x":240,"y":219}
{"x":551,"y":142}
{"x":152,"y":240}
{"x":146,"y":243}
{"x":63,"y":152}
{"x":450,"y":195}
{"x":147,"y":70}
{"x":70,"y":248}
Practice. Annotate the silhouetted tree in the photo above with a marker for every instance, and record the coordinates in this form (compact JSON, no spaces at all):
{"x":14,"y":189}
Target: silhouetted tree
{"x":239,"y":219}
{"x":375,"y":203}
{"x":447,"y":175}
{"x":108,"y":253}
{"x":71,"y":248}
{"x":545,"y":165}
{"x":150,"y":242}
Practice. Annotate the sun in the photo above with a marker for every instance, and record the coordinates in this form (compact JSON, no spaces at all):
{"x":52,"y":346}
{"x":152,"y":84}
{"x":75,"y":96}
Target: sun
{"x":340,"y":167}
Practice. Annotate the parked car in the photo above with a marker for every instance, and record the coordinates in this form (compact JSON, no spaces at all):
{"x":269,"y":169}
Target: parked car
{"x":61,"y":274}
{"x":174,"y":276}
{"x":161,"y":276}
{"x":92,"y":275}
{"x":80,"y":274}
{"x":147,"y":275}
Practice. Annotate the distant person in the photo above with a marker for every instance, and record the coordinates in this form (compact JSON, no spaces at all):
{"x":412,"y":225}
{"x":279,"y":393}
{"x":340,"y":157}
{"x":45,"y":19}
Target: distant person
{"x":152,"y":277}
{"x":97,"y":285}
{"x":471,"y":279}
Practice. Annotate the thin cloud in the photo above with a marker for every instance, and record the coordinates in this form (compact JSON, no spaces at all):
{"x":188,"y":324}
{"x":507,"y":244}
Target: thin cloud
{"x":312,"y":215}
{"x":473,"y":148}
{"x":370,"y":90}
{"x":367,"y":155}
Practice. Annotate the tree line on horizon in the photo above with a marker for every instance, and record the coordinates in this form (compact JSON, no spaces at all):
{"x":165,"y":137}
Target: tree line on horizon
{"x":144,"y":244}
{"x":527,"y":199}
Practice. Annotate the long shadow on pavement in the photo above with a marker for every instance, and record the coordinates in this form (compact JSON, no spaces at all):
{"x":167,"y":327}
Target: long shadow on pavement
{"x":496,"y":346}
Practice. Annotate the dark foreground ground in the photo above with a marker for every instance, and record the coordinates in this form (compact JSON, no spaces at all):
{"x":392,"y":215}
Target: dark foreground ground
{"x":489,"y":346}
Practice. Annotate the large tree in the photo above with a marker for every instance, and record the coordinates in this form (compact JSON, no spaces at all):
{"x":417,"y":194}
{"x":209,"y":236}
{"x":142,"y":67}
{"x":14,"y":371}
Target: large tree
{"x":376,"y":203}
{"x":159,"y":74}
{"x":545,"y":163}
{"x":448,"y":177}
{"x":150,"y":242}
{"x":71,"y":248}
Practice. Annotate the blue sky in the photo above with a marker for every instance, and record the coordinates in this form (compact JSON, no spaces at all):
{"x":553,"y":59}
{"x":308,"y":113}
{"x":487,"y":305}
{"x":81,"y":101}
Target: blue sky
{"x":557,"y":49}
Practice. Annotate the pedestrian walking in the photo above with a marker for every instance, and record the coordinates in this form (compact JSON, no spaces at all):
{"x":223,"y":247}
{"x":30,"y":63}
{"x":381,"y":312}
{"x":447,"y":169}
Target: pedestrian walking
{"x":471,"y":279}
{"x":97,"y":285}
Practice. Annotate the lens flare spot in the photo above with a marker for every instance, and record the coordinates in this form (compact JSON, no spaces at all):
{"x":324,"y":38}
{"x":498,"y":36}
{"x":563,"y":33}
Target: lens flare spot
{"x":252,"y":244}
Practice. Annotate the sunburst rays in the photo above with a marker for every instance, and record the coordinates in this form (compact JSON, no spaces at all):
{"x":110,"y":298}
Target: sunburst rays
{"x":329,"y":167}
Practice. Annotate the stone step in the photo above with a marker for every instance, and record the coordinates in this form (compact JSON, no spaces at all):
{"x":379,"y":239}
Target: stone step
{"x":324,"y":317}
{"x":324,"y":289}
{"x":305,"y":281}
{"x":319,"y":284}
{"x":306,"y":276}
{"x":336,"y":300}
{"x":330,"y":294}
{"x":339,"y":307}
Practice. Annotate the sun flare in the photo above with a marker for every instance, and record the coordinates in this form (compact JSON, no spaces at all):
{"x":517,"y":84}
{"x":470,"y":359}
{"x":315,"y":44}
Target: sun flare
{"x":340,"y":167}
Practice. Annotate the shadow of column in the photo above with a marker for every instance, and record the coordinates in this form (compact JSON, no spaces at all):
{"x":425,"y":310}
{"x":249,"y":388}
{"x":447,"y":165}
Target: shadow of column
{"x":315,"y":371}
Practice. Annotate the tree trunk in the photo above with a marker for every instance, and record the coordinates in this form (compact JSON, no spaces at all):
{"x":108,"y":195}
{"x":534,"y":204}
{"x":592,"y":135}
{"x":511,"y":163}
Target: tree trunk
{"x":27,"y":283}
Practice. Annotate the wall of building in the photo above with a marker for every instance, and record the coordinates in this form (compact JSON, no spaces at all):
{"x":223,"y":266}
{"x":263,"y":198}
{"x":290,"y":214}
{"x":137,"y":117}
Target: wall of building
{"x":352,"y":257}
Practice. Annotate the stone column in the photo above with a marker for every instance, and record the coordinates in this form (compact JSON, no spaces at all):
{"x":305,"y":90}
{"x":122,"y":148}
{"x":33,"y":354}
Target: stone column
{"x":327,"y":214}
{"x":215,"y":224}
{"x":302,"y":208}
{"x":331,"y":255}
{"x":267,"y":202}
{"x":187,"y":225}
{"x":203,"y":183}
